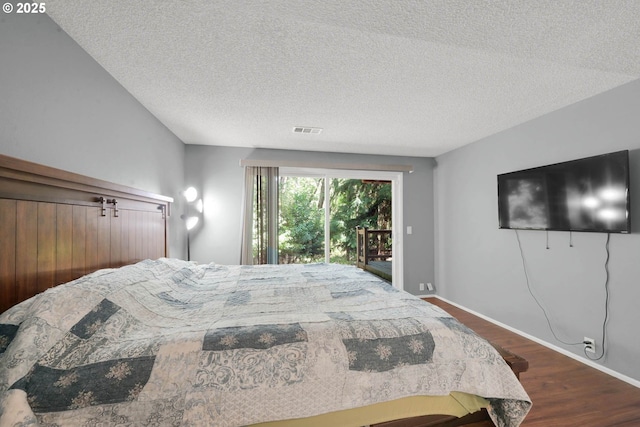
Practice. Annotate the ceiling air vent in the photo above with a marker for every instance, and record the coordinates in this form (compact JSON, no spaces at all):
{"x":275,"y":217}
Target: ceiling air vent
{"x":307,"y":130}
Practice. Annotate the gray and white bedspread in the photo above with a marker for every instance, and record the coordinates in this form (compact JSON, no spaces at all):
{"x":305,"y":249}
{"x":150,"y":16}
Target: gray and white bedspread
{"x":169,"y":342}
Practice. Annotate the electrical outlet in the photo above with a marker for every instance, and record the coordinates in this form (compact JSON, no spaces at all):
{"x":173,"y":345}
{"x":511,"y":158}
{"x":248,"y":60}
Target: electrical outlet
{"x":589,"y":345}
{"x":422,"y":286}
{"x":429,"y":286}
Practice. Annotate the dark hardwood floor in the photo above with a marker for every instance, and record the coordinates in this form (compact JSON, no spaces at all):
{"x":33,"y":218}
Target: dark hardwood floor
{"x":564,"y":392}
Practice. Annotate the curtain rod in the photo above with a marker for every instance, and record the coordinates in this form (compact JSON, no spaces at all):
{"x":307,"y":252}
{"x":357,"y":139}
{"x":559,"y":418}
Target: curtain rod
{"x":326,"y":165}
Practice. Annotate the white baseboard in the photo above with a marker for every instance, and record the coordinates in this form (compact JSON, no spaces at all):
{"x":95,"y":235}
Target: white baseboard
{"x":428,"y":296}
{"x":574,"y":356}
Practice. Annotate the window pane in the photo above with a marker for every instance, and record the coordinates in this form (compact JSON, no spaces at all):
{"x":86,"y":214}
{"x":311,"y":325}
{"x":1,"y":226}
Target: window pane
{"x":357,"y":203}
{"x":301,"y":237}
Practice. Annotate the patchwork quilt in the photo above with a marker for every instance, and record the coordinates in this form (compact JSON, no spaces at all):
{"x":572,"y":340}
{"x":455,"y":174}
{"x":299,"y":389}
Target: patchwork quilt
{"x":171,"y":342}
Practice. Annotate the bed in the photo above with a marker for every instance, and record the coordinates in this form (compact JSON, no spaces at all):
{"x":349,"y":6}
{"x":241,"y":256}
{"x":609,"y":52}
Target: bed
{"x":138,"y":338}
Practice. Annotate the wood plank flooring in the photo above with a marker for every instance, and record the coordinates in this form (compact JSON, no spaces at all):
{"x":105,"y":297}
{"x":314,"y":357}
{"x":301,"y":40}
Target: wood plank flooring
{"x":564,"y":392}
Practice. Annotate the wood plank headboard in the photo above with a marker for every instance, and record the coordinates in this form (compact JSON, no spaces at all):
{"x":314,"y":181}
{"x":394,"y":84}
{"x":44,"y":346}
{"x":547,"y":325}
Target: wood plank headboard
{"x":56,"y":226}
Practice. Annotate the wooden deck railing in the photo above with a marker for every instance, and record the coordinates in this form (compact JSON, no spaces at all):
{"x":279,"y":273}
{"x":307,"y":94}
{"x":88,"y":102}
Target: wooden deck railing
{"x":373,"y":245}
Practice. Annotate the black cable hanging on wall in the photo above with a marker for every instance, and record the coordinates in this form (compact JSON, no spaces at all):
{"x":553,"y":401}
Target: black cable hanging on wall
{"x":547,"y":232}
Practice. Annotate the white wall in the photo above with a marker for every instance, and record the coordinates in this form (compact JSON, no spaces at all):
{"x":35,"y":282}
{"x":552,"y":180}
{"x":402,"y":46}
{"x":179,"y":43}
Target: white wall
{"x":217,"y":172}
{"x":60,"y":108}
{"x":479,"y":266}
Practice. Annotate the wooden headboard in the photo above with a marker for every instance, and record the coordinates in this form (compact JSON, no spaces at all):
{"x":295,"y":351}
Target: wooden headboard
{"x":56,"y":226}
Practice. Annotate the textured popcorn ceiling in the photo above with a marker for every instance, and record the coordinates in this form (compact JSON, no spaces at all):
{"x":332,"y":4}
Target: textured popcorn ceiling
{"x":401,"y":77}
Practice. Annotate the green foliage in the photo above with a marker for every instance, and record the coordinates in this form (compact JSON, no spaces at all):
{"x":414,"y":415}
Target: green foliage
{"x":353,"y":203}
{"x":301,"y":220}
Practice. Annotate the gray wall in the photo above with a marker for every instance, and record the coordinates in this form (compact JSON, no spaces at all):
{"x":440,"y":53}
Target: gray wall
{"x":217,"y":172}
{"x":60,"y":108}
{"x":479,"y":266}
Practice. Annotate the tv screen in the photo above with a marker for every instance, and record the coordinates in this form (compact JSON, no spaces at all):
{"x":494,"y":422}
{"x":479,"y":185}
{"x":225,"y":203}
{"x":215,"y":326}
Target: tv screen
{"x":590,"y":194}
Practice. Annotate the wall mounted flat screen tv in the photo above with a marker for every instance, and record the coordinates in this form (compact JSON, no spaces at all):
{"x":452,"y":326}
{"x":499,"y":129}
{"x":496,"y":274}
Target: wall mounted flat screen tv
{"x":590,"y":194}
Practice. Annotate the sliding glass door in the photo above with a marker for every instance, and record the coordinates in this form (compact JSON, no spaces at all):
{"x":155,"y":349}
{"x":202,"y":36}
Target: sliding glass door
{"x":324,"y":215}
{"x":321,"y":210}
